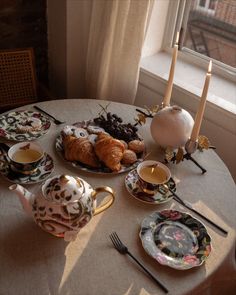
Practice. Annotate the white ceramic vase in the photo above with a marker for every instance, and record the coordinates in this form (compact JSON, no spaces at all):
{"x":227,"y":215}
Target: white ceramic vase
{"x":171,"y":127}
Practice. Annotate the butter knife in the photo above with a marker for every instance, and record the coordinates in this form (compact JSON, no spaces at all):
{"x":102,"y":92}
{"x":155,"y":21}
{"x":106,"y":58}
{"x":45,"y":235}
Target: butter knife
{"x":189,"y":207}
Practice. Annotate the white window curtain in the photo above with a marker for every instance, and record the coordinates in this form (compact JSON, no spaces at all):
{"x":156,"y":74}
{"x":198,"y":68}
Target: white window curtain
{"x":116,"y":31}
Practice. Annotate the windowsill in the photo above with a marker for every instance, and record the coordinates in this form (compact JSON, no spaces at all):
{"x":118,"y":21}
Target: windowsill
{"x":191,"y":78}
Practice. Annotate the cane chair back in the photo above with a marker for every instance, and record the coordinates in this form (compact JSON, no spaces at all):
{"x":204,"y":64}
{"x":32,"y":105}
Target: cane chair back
{"x":17,"y":78}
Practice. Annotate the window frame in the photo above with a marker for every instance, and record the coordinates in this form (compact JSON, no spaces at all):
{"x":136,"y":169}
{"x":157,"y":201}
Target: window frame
{"x":177,"y":22}
{"x":206,"y":7}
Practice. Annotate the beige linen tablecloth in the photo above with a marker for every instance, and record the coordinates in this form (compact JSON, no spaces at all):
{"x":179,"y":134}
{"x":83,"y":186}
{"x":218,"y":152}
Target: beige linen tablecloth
{"x":32,"y":262}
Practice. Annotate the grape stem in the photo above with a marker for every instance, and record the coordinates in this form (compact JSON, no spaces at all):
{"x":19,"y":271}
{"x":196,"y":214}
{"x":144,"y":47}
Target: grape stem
{"x":104,"y":109}
{"x":145,"y":114}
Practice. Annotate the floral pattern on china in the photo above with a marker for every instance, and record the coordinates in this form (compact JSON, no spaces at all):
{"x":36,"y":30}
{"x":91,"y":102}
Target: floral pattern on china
{"x":23,"y":125}
{"x":42,"y":172}
{"x":64,"y":204}
{"x":175,"y":239}
{"x":161,"y":195}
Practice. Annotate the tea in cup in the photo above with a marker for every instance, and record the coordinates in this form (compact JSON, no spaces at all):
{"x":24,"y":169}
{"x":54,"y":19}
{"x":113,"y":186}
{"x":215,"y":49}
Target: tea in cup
{"x":25,"y":157}
{"x":151,"y":175}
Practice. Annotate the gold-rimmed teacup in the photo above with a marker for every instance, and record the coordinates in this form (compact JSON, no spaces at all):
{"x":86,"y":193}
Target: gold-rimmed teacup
{"x":151,"y":175}
{"x":25,"y":157}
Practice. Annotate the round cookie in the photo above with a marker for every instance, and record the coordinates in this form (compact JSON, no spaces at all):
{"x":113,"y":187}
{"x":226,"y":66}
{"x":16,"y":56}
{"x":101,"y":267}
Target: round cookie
{"x":68,"y":130}
{"x":30,"y":124}
{"x":80,"y":132}
{"x":75,"y":131}
{"x":92,"y":138}
{"x":137,"y":146}
{"x":129,"y":157}
{"x":95,"y":129}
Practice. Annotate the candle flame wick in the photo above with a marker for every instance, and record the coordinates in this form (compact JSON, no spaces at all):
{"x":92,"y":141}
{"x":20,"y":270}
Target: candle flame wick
{"x":177,"y":38}
{"x":152,"y":167}
{"x":209,"y":67}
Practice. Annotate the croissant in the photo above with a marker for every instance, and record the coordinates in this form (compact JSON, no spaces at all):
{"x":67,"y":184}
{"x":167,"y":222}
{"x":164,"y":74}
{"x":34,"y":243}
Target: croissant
{"x":109,"y":150}
{"x":80,"y":149}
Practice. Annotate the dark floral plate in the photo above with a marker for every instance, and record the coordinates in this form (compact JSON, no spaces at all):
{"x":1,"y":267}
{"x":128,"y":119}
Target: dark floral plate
{"x":43,"y":171}
{"x":10,"y":122}
{"x":160,"y":196}
{"x":175,"y":239}
{"x":74,"y":130}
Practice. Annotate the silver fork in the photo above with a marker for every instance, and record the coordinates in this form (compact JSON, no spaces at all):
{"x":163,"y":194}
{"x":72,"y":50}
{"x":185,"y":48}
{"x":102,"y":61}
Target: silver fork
{"x":56,"y":121}
{"x":122,"y":249}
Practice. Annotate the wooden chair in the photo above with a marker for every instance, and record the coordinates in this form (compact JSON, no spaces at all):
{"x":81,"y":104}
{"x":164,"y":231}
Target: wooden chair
{"x":18,"y":81}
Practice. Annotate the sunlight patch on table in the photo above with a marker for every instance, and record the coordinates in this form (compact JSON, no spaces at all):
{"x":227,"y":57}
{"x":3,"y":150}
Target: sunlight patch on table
{"x":144,"y":292}
{"x":129,"y":290}
{"x":75,"y":249}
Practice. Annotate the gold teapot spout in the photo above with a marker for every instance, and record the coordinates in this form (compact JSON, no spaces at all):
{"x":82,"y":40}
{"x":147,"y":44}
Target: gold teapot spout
{"x":26,"y":198}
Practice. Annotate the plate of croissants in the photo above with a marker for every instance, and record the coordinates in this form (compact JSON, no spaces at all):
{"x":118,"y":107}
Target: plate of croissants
{"x":88,"y":146}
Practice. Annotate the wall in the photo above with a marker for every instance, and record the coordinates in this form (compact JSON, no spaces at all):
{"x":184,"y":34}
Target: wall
{"x":155,"y":33}
{"x":57,"y":47}
{"x":78,"y":16}
{"x":226,"y":9}
{"x":24,"y":24}
{"x":67,"y":45}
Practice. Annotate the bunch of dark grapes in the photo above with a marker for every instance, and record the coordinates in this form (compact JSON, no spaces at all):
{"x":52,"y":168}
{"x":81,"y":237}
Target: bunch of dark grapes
{"x":115,"y":127}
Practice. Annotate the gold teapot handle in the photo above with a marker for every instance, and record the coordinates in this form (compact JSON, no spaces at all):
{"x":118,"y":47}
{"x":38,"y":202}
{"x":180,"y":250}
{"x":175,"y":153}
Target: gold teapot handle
{"x":108,"y":203}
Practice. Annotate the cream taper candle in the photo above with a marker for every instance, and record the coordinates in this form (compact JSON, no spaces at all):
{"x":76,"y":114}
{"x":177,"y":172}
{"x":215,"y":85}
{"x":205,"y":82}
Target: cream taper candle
{"x":166,"y":100}
{"x":201,"y":108}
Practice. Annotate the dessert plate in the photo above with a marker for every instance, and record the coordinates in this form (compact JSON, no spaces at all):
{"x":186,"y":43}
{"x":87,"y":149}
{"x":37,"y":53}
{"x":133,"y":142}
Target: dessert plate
{"x":77,"y":130}
{"x":43,"y":171}
{"x":161,"y":195}
{"x":175,"y":239}
{"x":23,"y":125}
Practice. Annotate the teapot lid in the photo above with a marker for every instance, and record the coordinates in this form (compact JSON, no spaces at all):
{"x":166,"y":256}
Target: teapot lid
{"x":63,"y":189}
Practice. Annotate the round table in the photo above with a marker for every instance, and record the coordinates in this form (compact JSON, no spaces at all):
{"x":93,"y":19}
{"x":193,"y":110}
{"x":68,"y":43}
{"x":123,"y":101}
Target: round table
{"x":34,"y":262}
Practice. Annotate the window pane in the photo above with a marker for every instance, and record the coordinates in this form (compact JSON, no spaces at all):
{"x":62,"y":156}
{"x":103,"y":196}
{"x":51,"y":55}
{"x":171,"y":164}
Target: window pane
{"x":212,"y":31}
{"x":212,"y":4}
{"x":202,"y":3}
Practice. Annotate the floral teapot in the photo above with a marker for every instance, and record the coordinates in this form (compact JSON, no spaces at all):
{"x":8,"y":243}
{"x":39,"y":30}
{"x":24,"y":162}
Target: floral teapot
{"x":64,"y":205}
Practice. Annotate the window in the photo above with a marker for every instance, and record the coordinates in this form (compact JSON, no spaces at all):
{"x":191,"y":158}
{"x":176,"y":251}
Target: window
{"x":191,"y":65}
{"x":208,"y":31}
{"x":206,"y":5}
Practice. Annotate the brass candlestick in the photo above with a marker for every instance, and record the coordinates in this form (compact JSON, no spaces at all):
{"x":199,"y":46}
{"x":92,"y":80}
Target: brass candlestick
{"x":190,"y":148}
{"x":186,"y":152}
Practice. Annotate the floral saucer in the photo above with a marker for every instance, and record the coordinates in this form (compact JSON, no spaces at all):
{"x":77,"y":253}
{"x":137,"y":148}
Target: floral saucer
{"x":175,"y":239}
{"x":161,"y":195}
{"x":43,"y":171}
{"x":23,"y":125}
